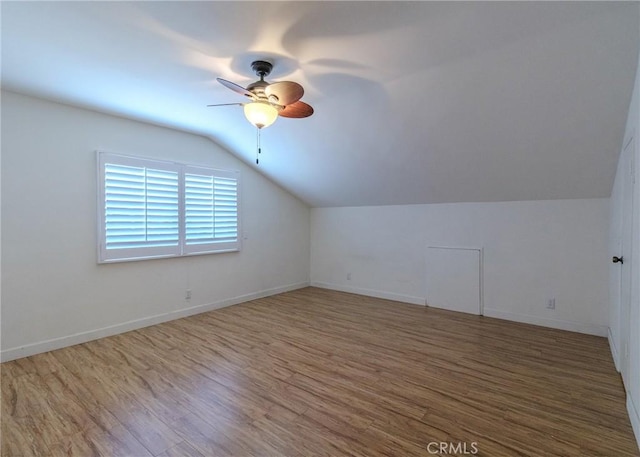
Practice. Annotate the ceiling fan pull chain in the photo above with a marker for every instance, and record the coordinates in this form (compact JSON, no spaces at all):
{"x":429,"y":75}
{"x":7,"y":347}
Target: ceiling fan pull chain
{"x":258,"y":143}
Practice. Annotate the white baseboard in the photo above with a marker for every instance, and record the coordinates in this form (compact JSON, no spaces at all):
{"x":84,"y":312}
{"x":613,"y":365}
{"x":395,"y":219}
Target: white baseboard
{"x":614,"y":349}
{"x":371,"y":293}
{"x":590,"y":329}
{"x":83,"y":337}
{"x":634,"y":417}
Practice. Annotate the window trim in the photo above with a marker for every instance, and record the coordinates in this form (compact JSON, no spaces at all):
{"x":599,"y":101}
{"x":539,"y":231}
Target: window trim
{"x":182,"y":249}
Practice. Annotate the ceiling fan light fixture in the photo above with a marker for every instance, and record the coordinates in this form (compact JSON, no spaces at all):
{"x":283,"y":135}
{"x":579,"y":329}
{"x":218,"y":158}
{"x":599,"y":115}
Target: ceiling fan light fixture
{"x":260,"y":113}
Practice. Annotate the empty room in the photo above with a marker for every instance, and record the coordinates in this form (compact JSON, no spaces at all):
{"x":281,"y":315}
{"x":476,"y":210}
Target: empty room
{"x":319,"y":228}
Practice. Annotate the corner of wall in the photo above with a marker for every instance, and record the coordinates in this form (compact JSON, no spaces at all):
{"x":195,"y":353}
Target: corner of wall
{"x":614,"y":350}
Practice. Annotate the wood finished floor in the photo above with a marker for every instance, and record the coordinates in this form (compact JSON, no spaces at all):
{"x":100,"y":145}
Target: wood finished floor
{"x":317,"y":372}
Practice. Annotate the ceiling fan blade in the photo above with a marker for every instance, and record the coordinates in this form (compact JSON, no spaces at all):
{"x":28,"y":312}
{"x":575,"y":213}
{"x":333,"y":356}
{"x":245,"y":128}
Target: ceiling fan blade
{"x":234,"y":87}
{"x":226,"y":104}
{"x":296,"y":110}
{"x":284,"y":92}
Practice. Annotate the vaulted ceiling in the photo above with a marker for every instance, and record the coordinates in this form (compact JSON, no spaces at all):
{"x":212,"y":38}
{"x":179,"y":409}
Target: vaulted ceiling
{"x":416,"y":102}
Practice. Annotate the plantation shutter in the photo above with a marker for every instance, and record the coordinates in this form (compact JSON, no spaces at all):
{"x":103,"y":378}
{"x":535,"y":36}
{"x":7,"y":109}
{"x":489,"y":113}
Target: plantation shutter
{"x":211,"y":210}
{"x":150,"y":208}
{"x":141,"y":213}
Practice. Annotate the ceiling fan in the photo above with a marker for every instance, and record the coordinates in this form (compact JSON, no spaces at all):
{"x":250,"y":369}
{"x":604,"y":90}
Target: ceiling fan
{"x":269,"y":100}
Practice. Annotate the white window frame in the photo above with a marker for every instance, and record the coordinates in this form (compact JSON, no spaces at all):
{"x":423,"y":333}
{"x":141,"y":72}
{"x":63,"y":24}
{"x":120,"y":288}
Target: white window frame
{"x":183,"y":247}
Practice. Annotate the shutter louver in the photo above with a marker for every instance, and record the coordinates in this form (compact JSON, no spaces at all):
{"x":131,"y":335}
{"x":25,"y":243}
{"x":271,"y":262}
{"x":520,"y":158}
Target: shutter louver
{"x":226,"y":209}
{"x":141,"y":207}
{"x":211,"y":209}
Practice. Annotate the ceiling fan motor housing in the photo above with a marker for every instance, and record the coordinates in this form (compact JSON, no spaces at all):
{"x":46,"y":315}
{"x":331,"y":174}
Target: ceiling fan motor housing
{"x":257,"y":87}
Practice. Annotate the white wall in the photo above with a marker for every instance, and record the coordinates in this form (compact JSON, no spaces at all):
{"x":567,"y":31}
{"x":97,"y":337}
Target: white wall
{"x":633,"y":383}
{"x":53,"y":291}
{"x":533,"y":251}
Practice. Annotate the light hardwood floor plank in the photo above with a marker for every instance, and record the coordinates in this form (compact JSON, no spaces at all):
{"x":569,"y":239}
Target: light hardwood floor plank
{"x":317,"y":372}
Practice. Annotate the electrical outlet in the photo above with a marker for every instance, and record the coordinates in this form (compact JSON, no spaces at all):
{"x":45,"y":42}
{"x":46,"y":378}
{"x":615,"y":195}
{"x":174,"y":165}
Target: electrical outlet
{"x":187,"y":294}
{"x":551,"y":303}
{"x":348,"y":276}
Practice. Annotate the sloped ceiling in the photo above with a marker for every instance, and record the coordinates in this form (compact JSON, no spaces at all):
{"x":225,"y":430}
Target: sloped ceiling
{"x":416,"y":102}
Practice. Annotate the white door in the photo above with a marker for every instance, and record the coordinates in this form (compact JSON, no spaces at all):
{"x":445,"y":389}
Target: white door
{"x":625,"y":253}
{"x":454,"y":279}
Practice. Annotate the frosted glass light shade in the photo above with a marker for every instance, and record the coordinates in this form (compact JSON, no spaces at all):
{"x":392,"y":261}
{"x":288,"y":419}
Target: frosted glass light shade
{"x":261,"y":114}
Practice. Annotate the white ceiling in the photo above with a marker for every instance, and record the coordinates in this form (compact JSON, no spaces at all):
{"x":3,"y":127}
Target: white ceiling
{"x":416,"y":102}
